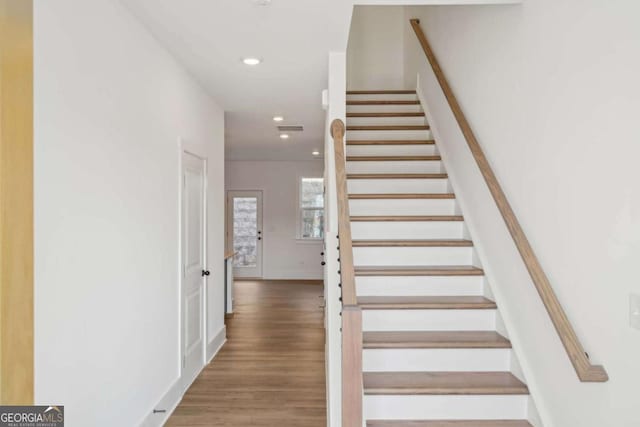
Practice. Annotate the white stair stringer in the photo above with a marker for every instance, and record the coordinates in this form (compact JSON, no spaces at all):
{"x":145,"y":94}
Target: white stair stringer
{"x":411,"y":247}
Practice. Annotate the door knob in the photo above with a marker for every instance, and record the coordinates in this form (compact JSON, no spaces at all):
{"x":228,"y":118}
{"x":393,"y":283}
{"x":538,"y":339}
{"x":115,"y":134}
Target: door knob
{"x":259,"y":238}
{"x":205,"y":273}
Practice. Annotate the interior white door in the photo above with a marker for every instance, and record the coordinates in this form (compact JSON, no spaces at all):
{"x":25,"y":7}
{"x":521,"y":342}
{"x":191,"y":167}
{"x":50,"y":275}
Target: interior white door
{"x":193,"y":266}
{"x":244,"y":212}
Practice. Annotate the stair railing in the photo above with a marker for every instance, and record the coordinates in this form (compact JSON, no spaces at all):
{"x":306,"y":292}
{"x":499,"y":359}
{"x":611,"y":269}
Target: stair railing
{"x":585,"y":370}
{"x":352,"y":387}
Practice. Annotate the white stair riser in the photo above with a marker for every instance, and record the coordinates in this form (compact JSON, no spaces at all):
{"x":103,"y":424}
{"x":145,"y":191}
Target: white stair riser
{"x":419,"y":285}
{"x":443,"y":360}
{"x":380,"y":121}
{"x":359,"y":135}
{"x":392,"y":150}
{"x":393,"y":166}
{"x":383,"y":108}
{"x":402,"y":206}
{"x":426,"y":256}
{"x":443,"y":407}
{"x":372,"y":186}
{"x":429,"y":320}
{"x":383,"y":97}
{"x":406,"y":230}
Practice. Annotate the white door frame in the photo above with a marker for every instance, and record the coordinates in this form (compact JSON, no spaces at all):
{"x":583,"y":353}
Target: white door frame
{"x":185,"y":148}
{"x":260,"y":225}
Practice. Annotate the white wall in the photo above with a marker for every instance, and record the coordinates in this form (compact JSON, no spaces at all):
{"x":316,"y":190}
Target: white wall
{"x":110,"y":106}
{"x":374,"y":52}
{"x":283,"y":255}
{"x":551,"y":91}
{"x":336,"y":109}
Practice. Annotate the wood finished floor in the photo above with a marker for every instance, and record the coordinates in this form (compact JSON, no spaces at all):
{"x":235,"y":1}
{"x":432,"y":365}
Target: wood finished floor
{"x":271,"y":370}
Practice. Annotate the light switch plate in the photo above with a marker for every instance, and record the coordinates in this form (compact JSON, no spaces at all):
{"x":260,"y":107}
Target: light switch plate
{"x":634,"y":311}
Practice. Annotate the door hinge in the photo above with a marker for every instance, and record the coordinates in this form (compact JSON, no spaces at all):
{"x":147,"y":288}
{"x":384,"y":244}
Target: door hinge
{"x":184,"y":361}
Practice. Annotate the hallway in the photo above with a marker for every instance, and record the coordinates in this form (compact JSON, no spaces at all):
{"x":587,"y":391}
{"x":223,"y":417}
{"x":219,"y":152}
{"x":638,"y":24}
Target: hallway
{"x":271,"y":370}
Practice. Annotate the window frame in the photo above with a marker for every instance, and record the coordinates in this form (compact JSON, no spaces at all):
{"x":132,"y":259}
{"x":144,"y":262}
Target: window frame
{"x":300,"y":210}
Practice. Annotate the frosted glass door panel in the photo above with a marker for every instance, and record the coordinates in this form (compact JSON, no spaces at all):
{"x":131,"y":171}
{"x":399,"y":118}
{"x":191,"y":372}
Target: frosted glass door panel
{"x":244,"y":213}
{"x":245,"y":231}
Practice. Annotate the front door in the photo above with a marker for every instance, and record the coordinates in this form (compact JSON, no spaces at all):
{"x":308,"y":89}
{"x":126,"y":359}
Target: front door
{"x":193,"y":266}
{"x":244,"y":229}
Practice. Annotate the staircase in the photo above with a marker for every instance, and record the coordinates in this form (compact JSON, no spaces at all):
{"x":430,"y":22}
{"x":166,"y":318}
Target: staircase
{"x":435,"y":353}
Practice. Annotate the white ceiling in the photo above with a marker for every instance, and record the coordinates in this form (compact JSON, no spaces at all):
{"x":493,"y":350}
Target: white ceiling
{"x":291,"y":36}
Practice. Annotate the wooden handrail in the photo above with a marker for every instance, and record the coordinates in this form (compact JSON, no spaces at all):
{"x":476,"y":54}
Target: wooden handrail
{"x":347,"y":273}
{"x":585,"y":370}
{"x":352,"y":387}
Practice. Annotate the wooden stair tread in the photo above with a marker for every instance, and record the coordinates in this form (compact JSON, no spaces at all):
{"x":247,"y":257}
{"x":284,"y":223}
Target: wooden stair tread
{"x":413,"y":243}
{"x":433,"y":157}
{"x":406,"y":218}
{"x":391,"y":196}
{"x":391,"y":114}
{"x":387,"y":127}
{"x":391,"y":142}
{"x":397,"y":176}
{"x":473,"y":383}
{"x":446,"y":270}
{"x":463,"y":302}
{"x":448,"y":423}
{"x":434,"y":339}
{"x":381,"y":92}
{"x":384,"y":102}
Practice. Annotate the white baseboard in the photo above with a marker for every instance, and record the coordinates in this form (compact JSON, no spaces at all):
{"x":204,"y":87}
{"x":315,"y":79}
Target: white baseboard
{"x":294,"y":275}
{"x":216,"y":343}
{"x":168,"y":403}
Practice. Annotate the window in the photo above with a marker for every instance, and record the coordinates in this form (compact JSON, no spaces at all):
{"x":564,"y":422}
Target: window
{"x":311,"y":208}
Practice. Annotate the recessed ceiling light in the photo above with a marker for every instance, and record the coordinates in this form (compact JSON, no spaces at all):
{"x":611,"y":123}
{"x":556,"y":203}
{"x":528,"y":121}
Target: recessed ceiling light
{"x":284,"y":136}
{"x":251,"y":61}
{"x":262,"y":2}
{"x":278,"y":118}
{"x":315,"y":152}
